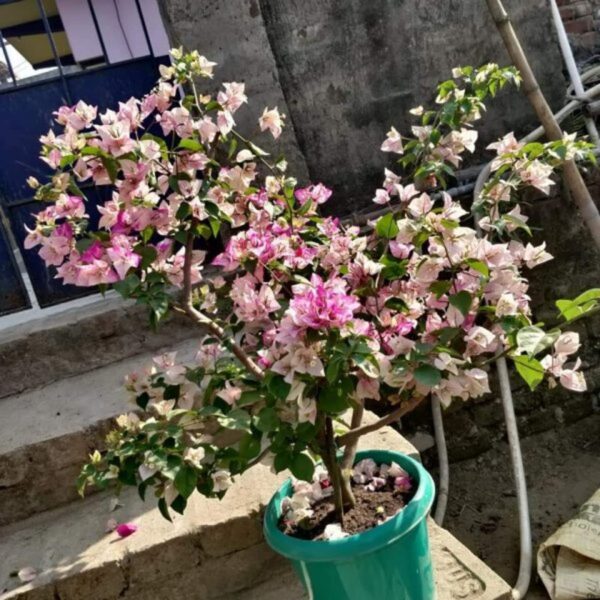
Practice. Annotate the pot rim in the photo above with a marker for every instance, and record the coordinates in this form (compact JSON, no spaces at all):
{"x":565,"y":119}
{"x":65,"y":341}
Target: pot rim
{"x":361,"y":543}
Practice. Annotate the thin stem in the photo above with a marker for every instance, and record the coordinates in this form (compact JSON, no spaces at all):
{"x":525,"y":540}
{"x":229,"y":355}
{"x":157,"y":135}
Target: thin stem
{"x":205,"y":321}
{"x":333,"y":468}
{"x":350,"y":449}
{"x":354,"y":434}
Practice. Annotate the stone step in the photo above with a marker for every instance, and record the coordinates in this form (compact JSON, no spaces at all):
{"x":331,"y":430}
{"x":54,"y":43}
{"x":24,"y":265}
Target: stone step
{"x":46,"y":434}
{"x":214,"y":552}
{"x":40,"y":352}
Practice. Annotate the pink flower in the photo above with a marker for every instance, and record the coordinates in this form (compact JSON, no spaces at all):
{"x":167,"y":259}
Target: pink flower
{"x":322,"y":304}
{"x":393,"y":143}
{"x":381,"y":197}
{"x":271,"y":120}
{"x":536,"y":255}
{"x":122,"y":255}
{"x":126,"y":529}
{"x":567,"y":343}
{"x":318,"y":193}
{"x":54,"y":249}
{"x":231,"y":393}
{"x":403,"y":483}
{"x":94,"y":252}
{"x":233,"y":96}
{"x":573,"y":380}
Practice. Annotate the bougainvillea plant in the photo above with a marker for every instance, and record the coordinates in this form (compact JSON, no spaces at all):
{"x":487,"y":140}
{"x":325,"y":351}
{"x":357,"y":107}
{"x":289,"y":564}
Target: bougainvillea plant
{"x":301,"y":317}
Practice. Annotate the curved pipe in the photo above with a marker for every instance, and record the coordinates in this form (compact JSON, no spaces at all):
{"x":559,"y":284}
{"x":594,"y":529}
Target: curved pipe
{"x":524,"y":577}
{"x":574,"y":74}
{"x":442,"y":452}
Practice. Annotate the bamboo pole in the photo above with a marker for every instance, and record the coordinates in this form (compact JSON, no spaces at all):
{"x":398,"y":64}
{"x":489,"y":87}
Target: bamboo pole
{"x":572,"y":177}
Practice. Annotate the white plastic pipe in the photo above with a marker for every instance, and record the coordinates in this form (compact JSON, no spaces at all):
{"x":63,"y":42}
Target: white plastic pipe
{"x":524,"y":577}
{"x":442,"y":452}
{"x":574,"y":74}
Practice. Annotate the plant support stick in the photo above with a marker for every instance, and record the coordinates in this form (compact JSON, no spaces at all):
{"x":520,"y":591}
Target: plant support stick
{"x":572,"y":176}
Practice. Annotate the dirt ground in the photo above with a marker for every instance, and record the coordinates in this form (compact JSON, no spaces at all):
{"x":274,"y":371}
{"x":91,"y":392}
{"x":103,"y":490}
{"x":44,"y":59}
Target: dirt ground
{"x":563,"y":470}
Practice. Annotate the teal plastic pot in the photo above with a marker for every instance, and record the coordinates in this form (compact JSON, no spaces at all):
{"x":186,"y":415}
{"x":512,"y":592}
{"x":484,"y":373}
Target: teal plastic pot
{"x":389,"y":562}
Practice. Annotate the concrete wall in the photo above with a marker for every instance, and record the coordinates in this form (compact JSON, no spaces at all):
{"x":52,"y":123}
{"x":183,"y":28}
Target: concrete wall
{"x":345,"y":70}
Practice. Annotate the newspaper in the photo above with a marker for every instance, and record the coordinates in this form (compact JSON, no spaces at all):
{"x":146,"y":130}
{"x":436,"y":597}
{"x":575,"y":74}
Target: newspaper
{"x":569,"y":560}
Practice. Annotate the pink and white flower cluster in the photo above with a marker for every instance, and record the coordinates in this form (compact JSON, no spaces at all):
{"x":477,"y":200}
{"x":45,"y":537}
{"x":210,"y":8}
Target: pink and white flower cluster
{"x":305,"y":316}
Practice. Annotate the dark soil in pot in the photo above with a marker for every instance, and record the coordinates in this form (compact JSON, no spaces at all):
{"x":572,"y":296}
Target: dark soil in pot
{"x":372,"y":508}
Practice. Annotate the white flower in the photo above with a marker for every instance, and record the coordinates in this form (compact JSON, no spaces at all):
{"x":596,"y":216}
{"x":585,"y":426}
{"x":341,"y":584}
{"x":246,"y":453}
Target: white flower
{"x":194,"y":456}
{"x":364,"y":470}
{"x":507,"y":305}
{"x":221,"y":480}
{"x":271,"y":120}
{"x":536,"y":255}
{"x":334,"y":531}
{"x":393,"y":142}
{"x":567,"y":343}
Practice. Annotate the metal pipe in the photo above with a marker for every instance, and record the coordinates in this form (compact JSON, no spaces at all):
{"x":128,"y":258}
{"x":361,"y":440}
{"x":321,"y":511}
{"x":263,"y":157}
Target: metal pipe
{"x":442,"y":452}
{"x":520,"y":589}
{"x":524,"y":576}
{"x":574,"y":74}
{"x":7,"y":59}
{"x":54,"y":50}
{"x":561,"y":115}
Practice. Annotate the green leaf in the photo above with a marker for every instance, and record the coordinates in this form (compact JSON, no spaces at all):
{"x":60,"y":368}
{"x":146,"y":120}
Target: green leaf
{"x":203,"y":231}
{"x":215,"y":225}
{"x":179,"y":504}
{"x":584,"y":303}
{"x":249,"y":447}
{"x":190,"y":144}
{"x":335,"y":398}
{"x":479,"y":266}
{"x":394,"y":268}
{"x":302,"y":467}
{"x":367,"y":364}
{"x":236,"y":419}
{"x":279,"y":387}
{"x":305,"y":207}
{"x":533,"y":340}
{"x":519,"y":223}
{"x":147,"y":234}
{"x":164,"y":510}
{"x":249,"y":397}
{"x":282,"y":461}
{"x":386,"y":227}
{"x":396,"y":304}
{"x":127,"y":286}
{"x":439,"y":288}
{"x":428,"y":375}
{"x":588,"y":296}
{"x":530,"y":370}
{"x":183,"y":211}
{"x":92,"y":151}
{"x":148,"y":254}
{"x":461,"y":301}
{"x":232,"y":147}
{"x":110,"y":164}
{"x":67,"y":161}
{"x":186,"y":480}
{"x":267,"y":420}
{"x":332,"y":371}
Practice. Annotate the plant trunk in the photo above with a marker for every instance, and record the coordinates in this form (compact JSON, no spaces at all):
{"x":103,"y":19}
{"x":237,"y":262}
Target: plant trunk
{"x":572,"y":177}
{"x":343,"y":497}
